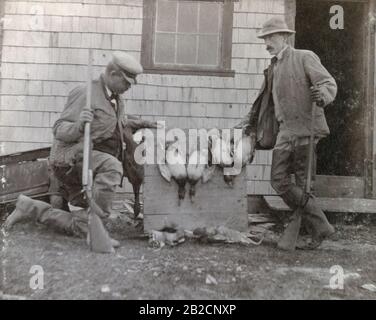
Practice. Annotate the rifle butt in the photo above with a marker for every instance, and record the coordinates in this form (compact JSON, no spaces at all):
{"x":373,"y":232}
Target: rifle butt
{"x":99,"y":240}
{"x":290,"y":236}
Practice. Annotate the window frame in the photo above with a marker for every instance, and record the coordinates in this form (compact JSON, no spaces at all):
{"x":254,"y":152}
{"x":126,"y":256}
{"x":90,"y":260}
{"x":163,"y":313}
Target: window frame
{"x":147,"y":44}
{"x":2,"y":22}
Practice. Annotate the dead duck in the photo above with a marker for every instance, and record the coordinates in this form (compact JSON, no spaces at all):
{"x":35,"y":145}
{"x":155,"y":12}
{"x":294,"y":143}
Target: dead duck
{"x":244,"y":150}
{"x":220,"y":151}
{"x":221,"y":155}
{"x":198,"y":169}
{"x":173,"y":166}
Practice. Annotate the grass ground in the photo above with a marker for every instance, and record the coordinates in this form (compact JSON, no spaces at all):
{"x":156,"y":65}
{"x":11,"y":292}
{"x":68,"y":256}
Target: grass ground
{"x":138,"y":271}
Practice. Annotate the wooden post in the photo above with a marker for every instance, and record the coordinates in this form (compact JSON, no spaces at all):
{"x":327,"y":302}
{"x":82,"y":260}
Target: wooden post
{"x":370,"y":134}
{"x":2,"y":14}
{"x":290,"y":13}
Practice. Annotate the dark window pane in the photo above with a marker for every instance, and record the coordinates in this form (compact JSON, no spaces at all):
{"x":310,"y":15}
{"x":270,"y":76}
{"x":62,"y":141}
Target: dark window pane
{"x":166,"y":15}
{"x":164,"y":48}
{"x":187,"y":17}
{"x":209,"y":18}
{"x":208,"y":50}
{"x":186,"y":49}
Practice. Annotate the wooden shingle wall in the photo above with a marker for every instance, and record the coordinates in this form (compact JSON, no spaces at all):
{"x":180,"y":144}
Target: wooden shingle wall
{"x":44,"y":56}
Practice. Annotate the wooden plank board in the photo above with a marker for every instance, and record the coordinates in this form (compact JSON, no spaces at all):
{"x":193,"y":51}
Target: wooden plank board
{"x":25,"y":156}
{"x":215,"y":203}
{"x":325,"y":186}
{"x":29,"y":178}
{"x":342,"y":205}
{"x":339,"y":186}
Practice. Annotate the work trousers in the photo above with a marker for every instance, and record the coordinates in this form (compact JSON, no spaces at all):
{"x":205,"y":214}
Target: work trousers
{"x":66,"y":183}
{"x":290,"y":156}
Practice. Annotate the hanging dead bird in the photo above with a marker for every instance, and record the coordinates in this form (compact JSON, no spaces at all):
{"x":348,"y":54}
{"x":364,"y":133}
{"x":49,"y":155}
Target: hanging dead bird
{"x":131,"y":169}
{"x":198,"y":168}
{"x":244,"y":150}
{"x":222,"y":156}
{"x":221,"y":151}
{"x":174,"y":167}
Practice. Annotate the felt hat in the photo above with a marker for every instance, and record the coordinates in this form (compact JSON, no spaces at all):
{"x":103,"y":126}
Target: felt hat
{"x":274,"y":25}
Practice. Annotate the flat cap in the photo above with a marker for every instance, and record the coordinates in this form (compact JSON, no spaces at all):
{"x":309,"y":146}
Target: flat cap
{"x":129,"y":66}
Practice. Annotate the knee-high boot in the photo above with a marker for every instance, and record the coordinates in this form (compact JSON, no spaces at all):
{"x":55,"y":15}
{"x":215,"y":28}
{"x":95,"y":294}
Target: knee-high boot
{"x":295,"y":199}
{"x":316,"y":217}
{"x":304,"y":206}
{"x":319,"y":225}
{"x":30,"y":209}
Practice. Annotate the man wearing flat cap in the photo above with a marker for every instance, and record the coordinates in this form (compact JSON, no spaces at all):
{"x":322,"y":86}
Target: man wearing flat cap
{"x":281,"y":119}
{"x":107,"y":117}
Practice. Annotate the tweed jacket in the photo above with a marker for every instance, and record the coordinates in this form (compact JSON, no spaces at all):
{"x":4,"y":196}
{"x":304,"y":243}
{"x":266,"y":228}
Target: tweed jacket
{"x":297,"y":72}
{"x":68,"y":140}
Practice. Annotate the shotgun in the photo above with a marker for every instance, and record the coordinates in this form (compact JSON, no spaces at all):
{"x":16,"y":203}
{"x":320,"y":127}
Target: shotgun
{"x":290,"y":235}
{"x":98,"y":238}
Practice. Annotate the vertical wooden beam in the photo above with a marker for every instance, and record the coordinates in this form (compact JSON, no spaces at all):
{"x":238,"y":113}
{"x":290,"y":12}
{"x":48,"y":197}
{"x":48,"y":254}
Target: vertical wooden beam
{"x":148,"y":21}
{"x":2,"y":13}
{"x":227,"y":28}
{"x":2,"y":9}
{"x":290,"y":13}
{"x":370,"y":163}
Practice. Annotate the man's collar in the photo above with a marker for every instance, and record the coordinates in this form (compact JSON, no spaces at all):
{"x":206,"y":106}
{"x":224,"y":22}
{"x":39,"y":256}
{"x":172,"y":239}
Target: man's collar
{"x":279,"y":56}
{"x":107,"y":92}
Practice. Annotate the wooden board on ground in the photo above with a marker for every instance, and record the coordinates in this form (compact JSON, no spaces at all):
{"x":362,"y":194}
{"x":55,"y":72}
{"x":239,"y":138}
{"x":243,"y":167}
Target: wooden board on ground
{"x":341,"y":205}
{"x":215,"y":203}
{"x":24,"y":172}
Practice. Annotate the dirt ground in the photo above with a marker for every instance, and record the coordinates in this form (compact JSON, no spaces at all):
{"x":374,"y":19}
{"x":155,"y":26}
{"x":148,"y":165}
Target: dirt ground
{"x":139,"y":271}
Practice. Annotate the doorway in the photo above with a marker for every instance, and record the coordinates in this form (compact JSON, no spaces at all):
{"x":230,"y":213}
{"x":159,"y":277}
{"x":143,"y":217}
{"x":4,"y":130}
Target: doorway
{"x":341,"y":51}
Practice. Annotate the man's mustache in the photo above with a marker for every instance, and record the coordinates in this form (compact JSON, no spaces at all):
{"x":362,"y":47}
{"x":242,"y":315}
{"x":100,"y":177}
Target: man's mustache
{"x":269,"y":48}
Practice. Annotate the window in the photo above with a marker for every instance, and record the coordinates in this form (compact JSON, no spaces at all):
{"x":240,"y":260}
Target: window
{"x":187,"y":37}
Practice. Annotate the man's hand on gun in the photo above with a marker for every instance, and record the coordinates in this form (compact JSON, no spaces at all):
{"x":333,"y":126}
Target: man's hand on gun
{"x":85,"y":116}
{"x":317,"y":96}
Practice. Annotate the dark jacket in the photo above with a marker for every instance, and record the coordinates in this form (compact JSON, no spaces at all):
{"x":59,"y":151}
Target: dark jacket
{"x":298,"y":71}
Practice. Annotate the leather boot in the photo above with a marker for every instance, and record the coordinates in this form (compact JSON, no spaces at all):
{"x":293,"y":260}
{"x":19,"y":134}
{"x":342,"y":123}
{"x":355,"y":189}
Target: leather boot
{"x":322,"y":229}
{"x":75,"y":223}
{"x":295,"y":198}
{"x":28,"y":209}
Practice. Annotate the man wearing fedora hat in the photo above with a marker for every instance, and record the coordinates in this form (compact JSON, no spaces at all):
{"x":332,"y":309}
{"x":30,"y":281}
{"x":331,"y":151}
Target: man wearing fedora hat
{"x":281,"y":119}
{"x":107,"y":117}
